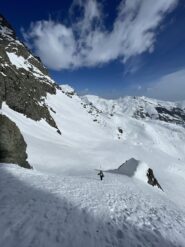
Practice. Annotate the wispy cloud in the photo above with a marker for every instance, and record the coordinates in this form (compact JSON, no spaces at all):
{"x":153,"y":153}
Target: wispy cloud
{"x":86,"y":42}
{"x":168,"y":87}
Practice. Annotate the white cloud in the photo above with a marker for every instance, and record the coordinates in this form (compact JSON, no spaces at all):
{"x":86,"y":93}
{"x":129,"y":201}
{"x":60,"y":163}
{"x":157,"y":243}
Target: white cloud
{"x":87,"y":42}
{"x":169,"y":87}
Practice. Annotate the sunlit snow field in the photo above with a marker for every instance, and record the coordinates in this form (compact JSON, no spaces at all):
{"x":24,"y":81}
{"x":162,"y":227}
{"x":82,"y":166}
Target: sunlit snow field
{"x":62,"y":202}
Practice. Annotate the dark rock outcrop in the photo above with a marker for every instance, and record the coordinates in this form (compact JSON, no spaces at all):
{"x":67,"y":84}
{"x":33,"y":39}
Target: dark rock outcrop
{"x":130,"y":167}
{"x":152,"y":180}
{"x":23,"y":87}
{"x":6,"y":25}
{"x":141,"y":113}
{"x":172,"y":115}
{"x":169,"y":114}
{"x":12,"y":144}
{"x":120,"y":130}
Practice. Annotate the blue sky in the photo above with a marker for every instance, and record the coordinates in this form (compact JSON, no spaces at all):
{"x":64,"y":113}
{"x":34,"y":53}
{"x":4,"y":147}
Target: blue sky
{"x":109,"y":48}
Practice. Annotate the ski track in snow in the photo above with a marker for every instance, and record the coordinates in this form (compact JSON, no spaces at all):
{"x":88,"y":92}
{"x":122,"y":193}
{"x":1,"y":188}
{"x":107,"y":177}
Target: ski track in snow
{"x":47,"y":210}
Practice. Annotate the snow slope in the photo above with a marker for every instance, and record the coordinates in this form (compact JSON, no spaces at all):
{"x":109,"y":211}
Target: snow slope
{"x":86,"y":145}
{"x":43,"y":210}
{"x":62,"y":202}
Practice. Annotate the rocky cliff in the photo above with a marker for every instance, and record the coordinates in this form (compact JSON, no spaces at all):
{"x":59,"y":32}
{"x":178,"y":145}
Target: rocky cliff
{"x":12,"y":144}
{"x":24,"y":84}
{"x":24,"y":81}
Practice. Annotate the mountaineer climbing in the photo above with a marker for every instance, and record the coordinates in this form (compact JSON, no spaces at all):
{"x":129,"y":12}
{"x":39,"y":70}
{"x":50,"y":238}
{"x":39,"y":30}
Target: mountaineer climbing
{"x":101,"y":174}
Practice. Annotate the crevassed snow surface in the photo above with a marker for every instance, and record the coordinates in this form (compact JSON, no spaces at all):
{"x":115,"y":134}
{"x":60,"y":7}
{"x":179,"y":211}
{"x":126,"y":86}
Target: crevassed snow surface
{"x":63,"y":203}
{"x":43,"y":210}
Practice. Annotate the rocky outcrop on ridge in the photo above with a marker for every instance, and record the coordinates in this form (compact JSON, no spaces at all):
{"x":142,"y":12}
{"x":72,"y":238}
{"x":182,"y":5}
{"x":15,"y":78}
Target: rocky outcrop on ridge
{"x":24,"y":81}
{"x":24,"y":85}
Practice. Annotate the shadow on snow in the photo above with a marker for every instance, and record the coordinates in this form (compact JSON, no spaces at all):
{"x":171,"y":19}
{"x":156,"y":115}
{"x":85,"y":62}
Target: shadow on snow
{"x":31,"y":217}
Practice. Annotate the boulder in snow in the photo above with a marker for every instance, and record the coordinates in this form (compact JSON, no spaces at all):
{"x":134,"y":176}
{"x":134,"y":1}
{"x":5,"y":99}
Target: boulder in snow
{"x":12,"y":144}
{"x":128,"y":168}
{"x":138,"y":169}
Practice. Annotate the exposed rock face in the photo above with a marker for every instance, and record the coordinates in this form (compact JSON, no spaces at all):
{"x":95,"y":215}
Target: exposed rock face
{"x":24,"y":84}
{"x":174,"y":114}
{"x":152,"y":180}
{"x":169,"y":114}
{"x":24,"y":81}
{"x":129,"y":168}
{"x":12,"y":144}
{"x":6,"y":27}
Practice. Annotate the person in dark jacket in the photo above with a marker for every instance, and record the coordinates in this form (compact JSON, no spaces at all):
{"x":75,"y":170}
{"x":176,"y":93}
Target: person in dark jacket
{"x":101,"y":174}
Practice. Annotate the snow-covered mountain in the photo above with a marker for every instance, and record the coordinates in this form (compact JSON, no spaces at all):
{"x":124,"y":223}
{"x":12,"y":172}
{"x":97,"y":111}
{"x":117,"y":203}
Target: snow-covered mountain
{"x":142,"y":108}
{"x":69,"y":126}
{"x":64,"y":137}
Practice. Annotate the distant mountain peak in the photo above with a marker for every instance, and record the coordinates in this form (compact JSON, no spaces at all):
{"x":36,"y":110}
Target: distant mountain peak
{"x":141,"y":108}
